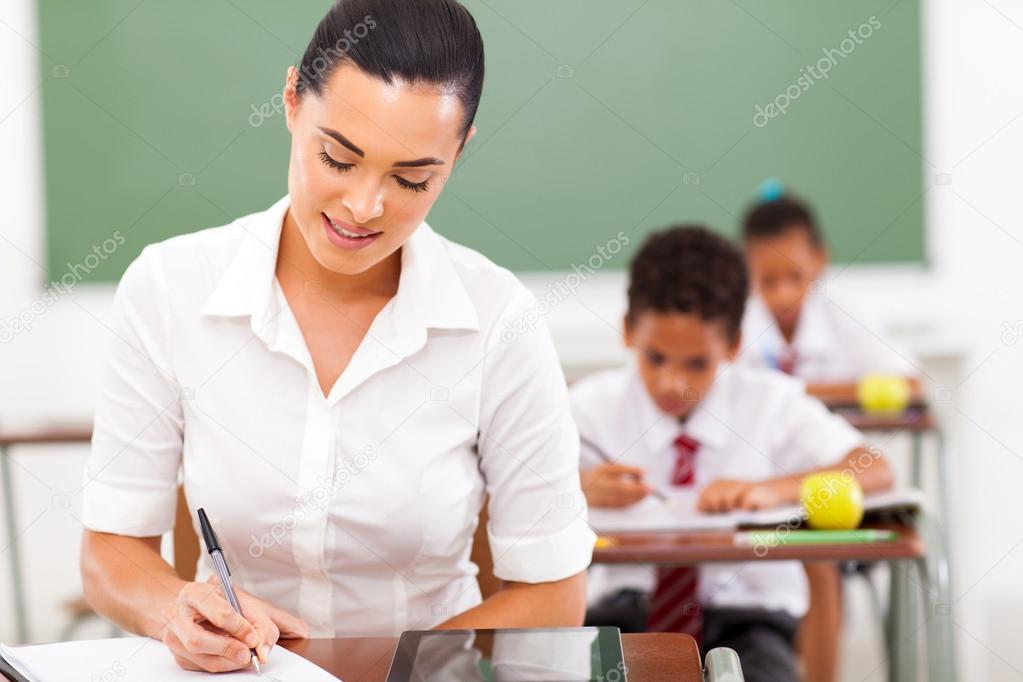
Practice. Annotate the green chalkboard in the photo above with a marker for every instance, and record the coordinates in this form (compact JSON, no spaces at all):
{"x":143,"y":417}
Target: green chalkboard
{"x":598,"y":116}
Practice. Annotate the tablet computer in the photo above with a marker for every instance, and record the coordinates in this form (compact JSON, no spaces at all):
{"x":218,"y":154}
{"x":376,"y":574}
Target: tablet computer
{"x":588,"y":654}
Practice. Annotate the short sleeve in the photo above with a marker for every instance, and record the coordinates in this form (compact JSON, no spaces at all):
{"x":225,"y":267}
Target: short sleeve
{"x":131,"y":477}
{"x":813,"y":436}
{"x":529,"y":455}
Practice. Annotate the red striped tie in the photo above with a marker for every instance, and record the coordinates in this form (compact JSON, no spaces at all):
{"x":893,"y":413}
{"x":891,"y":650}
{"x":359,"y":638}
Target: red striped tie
{"x":674,"y":606}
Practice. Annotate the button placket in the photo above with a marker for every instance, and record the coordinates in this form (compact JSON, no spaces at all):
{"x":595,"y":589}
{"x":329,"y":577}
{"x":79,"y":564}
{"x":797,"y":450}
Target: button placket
{"x":310,"y":535}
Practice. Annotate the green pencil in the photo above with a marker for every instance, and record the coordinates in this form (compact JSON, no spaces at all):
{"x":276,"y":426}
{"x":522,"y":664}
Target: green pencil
{"x":773,"y":538}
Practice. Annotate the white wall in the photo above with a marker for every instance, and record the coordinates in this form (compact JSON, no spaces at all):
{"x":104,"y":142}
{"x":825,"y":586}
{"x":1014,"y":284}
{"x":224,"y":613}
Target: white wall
{"x":953,"y":314}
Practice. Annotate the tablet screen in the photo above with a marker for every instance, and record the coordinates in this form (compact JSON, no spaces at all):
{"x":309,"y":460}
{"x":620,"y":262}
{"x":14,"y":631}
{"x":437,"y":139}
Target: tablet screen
{"x":513,"y":655}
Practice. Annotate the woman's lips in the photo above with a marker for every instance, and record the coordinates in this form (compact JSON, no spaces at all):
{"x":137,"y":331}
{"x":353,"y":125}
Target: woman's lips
{"x":347,"y":236}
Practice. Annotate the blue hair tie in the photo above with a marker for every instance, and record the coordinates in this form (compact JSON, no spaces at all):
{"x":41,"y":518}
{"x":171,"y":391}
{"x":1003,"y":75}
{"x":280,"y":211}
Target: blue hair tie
{"x":770,"y":190}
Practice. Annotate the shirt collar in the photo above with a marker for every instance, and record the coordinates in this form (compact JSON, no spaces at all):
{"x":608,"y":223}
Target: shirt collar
{"x":247,"y":283}
{"x":813,"y":336}
{"x":708,"y":423}
{"x":430,"y":292}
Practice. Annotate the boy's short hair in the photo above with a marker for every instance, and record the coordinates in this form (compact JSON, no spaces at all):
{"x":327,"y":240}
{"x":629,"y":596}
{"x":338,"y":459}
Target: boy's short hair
{"x":689,"y":269}
{"x":773,"y":218}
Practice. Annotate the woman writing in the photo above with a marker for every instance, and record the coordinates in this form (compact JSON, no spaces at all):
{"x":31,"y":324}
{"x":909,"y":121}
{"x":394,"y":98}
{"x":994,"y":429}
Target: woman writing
{"x":336,"y":385}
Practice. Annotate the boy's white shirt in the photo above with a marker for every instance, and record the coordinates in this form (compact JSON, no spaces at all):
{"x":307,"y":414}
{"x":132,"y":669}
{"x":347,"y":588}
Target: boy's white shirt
{"x":835,"y":342}
{"x":753,"y":424}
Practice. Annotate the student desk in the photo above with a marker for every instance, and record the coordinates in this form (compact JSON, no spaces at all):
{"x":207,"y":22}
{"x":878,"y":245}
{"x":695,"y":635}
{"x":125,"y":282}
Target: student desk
{"x":919,"y":569}
{"x":648,"y":657}
{"x":35,"y":434}
{"x":916,"y":419}
{"x":919,"y":422}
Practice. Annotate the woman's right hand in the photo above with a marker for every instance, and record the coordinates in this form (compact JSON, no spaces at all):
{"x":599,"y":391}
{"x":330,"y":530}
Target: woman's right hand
{"x":614,"y":485}
{"x":204,"y":633}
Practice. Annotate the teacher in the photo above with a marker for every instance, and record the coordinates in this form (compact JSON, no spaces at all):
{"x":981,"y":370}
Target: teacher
{"x":338,"y":385}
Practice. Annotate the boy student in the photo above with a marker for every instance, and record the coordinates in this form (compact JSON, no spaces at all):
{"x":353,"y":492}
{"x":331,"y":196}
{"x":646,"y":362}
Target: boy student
{"x":792,"y":323}
{"x":682,"y":414}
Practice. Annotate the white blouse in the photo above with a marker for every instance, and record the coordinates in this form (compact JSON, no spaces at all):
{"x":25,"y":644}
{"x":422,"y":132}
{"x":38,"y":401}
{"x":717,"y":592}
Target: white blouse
{"x":355,"y":511}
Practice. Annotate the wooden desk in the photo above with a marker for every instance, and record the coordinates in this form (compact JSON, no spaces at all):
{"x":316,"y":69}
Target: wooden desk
{"x":648,"y":657}
{"x":842,"y":399}
{"x":914,"y":419}
{"x":43,"y":433}
{"x":919,"y":572}
{"x":847,"y":395}
{"x":917,"y":420}
{"x":666,"y":548}
{"x":46,"y":434}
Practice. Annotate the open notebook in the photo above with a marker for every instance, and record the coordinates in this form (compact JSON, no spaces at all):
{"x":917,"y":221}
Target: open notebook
{"x":679,"y":513}
{"x":140,"y":659}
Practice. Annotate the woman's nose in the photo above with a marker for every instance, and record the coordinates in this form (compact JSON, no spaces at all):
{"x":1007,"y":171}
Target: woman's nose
{"x":364,"y":203}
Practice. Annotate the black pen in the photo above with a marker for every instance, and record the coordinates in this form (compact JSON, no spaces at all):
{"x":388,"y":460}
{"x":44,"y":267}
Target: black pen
{"x":213,"y":547}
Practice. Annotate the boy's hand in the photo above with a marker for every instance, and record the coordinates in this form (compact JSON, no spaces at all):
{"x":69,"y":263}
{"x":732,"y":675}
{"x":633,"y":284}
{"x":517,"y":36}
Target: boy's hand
{"x":726,"y":495}
{"x":614,"y":485}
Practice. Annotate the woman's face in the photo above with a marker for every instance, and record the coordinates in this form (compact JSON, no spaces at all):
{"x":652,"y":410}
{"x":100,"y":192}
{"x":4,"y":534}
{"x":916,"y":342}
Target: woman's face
{"x":368,"y":160}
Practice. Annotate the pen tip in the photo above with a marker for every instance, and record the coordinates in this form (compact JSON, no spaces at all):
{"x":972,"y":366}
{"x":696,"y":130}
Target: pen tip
{"x":255,"y":662}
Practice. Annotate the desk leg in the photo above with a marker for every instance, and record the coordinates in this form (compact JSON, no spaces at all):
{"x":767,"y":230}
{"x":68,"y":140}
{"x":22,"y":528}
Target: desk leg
{"x":17,"y":585}
{"x":935,"y":580}
{"x":944,"y":491}
{"x":936,"y":575}
{"x":901,"y":626}
{"x":916,"y":470}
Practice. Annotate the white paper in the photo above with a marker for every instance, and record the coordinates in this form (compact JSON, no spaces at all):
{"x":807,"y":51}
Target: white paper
{"x":141,"y":659}
{"x":679,"y":513}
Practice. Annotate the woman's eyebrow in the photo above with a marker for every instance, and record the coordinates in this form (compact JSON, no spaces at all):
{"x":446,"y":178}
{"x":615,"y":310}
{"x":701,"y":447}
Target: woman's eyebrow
{"x":425,"y":161}
{"x":343,"y":140}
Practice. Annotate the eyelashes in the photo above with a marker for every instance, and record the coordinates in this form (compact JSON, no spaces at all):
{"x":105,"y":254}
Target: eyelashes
{"x":333,"y":163}
{"x":413,"y":186}
{"x":345,"y":167}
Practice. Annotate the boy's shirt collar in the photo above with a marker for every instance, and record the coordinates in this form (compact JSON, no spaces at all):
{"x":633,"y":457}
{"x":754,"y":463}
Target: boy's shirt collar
{"x":709,"y":421}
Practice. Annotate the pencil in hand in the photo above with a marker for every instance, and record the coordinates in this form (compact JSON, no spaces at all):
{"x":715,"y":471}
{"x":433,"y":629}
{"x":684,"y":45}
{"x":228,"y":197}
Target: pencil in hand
{"x":608,"y":459}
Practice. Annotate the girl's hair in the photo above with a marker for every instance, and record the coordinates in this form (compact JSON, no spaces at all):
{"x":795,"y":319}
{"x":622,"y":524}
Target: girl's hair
{"x":422,"y":42}
{"x":769,"y":219}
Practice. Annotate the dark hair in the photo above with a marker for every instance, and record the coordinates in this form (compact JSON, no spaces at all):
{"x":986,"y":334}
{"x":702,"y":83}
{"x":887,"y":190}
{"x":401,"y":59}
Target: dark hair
{"x":427,"y":42}
{"x":689,"y":269}
{"x":773,"y":218}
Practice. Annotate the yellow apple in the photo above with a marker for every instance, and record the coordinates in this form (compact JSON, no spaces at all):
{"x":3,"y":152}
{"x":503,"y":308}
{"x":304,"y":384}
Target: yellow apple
{"x":833,"y":500}
{"x":880,"y":394}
